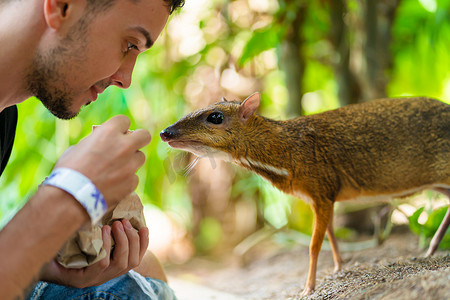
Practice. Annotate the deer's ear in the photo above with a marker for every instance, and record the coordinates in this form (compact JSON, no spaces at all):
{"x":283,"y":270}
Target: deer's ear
{"x":224,"y":99}
{"x":249,"y":106}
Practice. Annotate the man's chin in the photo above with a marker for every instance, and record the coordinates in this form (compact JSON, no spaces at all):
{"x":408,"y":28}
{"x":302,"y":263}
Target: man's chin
{"x":63,"y":114}
{"x":66,"y":116}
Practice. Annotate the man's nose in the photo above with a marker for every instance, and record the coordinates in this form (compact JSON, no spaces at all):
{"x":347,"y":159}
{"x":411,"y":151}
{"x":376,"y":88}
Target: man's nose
{"x":122,"y":77}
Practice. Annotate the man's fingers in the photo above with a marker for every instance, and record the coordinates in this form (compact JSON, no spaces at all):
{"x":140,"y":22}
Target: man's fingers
{"x":91,"y":272}
{"x":134,"y":183}
{"x":140,"y":137}
{"x":139,"y":158}
{"x":119,"y":122}
{"x":107,"y":242}
{"x":144,"y":240}
{"x":133,"y":244}
{"x":121,"y":250}
{"x":130,"y":247}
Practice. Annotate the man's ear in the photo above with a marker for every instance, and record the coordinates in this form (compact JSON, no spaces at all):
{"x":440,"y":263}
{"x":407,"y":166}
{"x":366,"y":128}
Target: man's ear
{"x":249,"y":106}
{"x":59,"y":12}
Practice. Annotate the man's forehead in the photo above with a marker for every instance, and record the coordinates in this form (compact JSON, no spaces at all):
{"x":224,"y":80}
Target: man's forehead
{"x":145,"y":17}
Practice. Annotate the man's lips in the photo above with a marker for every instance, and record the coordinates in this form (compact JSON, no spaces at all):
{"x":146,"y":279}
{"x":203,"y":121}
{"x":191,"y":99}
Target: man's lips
{"x":95,"y":91}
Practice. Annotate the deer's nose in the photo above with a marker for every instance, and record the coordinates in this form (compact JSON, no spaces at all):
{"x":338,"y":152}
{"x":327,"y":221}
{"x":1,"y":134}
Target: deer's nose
{"x":166,"y":134}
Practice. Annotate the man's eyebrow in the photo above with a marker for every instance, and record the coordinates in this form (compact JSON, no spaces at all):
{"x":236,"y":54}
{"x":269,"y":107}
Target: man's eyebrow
{"x":148,"y":40}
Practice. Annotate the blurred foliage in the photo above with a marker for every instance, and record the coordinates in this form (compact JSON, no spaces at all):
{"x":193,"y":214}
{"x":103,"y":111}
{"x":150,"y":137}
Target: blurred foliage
{"x":228,"y":48}
{"x":427,"y":230}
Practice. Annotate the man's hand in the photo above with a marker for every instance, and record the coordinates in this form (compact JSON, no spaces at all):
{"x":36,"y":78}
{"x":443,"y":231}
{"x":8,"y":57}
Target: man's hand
{"x":109,"y":158}
{"x":130,"y":247}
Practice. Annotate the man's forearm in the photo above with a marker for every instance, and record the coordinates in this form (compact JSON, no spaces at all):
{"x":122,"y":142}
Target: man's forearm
{"x":151,"y":267}
{"x":34,"y":236}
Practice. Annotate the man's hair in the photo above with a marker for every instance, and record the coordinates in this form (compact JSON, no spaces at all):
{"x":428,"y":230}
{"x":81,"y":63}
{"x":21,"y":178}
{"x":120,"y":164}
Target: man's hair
{"x":101,"y":5}
{"x":174,"y":4}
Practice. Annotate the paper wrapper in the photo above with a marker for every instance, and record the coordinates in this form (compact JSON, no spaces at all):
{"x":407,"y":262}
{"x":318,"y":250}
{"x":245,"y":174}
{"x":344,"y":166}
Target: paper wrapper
{"x":85,"y":247}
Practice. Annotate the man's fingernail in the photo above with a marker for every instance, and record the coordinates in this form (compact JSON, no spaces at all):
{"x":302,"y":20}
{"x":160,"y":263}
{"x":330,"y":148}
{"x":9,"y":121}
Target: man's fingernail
{"x":108,"y":230}
{"x":127,"y":224}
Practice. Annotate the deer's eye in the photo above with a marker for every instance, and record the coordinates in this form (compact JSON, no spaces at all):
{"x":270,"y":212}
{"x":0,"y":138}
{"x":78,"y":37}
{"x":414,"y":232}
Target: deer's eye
{"x":215,"y":118}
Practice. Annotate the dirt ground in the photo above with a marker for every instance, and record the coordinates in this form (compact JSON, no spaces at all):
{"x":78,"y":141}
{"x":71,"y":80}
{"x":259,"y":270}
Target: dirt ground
{"x":394,"y":270}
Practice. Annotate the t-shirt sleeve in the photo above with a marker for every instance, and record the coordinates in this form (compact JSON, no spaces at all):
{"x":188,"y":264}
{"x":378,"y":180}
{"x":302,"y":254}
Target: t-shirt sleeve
{"x":8,"y":123}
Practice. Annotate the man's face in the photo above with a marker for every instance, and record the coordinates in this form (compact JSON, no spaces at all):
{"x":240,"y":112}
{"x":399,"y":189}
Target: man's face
{"x":97,"y":52}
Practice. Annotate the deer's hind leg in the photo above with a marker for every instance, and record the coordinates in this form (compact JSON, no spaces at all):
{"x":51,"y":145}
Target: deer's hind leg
{"x":334,"y":245}
{"x":442,"y":228}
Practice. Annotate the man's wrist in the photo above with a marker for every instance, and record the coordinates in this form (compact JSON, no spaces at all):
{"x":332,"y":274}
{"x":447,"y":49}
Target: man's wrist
{"x":65,"y":202}
{"x":81,"y":188}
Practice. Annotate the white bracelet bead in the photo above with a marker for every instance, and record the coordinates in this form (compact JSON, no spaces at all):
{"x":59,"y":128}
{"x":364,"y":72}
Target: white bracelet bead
{"x":82,"y":189}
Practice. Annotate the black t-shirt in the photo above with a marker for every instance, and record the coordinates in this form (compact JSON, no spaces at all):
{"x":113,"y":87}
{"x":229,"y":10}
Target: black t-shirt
{"x":8,"y":123}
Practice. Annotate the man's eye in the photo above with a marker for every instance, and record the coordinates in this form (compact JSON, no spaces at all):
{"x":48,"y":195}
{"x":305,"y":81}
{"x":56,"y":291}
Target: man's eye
{"x":131,"y":46}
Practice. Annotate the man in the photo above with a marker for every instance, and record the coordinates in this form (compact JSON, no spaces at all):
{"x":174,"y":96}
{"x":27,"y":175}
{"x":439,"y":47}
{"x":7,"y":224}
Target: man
{"x":66,"y":52}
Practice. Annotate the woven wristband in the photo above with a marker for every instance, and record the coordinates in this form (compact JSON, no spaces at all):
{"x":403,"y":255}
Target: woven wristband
{"x":82,"y":189}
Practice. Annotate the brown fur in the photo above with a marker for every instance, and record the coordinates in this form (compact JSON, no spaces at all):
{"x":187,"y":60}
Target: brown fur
{"x":386,"y":147}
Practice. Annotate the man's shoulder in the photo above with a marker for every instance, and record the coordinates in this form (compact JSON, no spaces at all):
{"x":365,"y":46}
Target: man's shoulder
{"x":8,"y":123}
{"x":9,"y":115}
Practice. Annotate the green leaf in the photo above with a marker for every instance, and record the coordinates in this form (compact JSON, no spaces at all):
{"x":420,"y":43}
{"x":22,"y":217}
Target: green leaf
{"x":434,"y":221}
{"x":414,"y":221}
{"x":431,"y":225}
{"x":263,"y":39}
{"x":445,"y":243}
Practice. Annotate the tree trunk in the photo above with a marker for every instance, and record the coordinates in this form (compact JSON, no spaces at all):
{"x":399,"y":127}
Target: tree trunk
{"x":349,"y":90}
{"x":293,"y":61}
{"x":378,"y":18}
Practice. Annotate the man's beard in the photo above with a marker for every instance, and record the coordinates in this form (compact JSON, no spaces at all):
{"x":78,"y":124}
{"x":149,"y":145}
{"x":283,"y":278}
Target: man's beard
{"x":46,"y":79}
{"x":41,"y":80}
